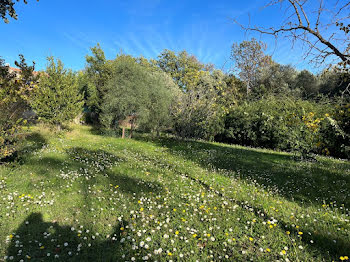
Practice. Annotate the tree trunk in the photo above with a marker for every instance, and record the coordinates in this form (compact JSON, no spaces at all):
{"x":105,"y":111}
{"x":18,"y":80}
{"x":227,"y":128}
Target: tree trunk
{"x":131,"y":129}
{"x":123,"y":132}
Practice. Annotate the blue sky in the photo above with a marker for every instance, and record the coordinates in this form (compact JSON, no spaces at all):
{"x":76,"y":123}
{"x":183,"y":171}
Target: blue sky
{"x":67,"y":28}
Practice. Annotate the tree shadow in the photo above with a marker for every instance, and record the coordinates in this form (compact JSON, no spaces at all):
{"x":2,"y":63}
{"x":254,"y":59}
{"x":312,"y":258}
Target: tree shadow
{"x":275,"y":171}
{"x":301,"y":181}
{"x":38,"y":240}
{"x":103,"y":163}
{"x":90,"y":167}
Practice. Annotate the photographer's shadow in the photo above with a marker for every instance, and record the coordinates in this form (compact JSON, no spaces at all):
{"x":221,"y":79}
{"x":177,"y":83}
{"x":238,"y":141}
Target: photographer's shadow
{"x":37,"y":240}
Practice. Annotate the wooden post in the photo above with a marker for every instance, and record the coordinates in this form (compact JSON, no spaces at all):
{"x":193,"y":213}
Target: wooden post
{"x":123,"y":132}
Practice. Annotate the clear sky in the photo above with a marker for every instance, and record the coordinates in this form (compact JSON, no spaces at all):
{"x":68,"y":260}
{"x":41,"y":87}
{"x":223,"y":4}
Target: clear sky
{"x":67,"y":28}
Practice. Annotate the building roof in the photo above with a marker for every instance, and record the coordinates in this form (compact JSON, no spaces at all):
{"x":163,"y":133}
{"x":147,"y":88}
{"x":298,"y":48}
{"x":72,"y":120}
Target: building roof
{"x":18,"y":71}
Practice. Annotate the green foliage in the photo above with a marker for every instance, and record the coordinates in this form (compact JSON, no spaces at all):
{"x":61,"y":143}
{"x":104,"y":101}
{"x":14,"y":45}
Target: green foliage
{"x":57,"y":100}
{"x":7,"y":8}
{"x":98,"y":72}
{"x":14,"y":91}
{"x":283,"y":123}
{"x":274,"y":79}
{"x":182,"y":67}
{"x":138,"y":91}
{"x":200,"y":110}
{"x":307,"y":83}
{"x":335,"y":132}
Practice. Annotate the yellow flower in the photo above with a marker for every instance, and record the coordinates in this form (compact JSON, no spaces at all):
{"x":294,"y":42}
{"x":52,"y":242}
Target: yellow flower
{"x":141,"y":209}
{"x":11,"y":236}
{"x":268,"y":250}
{"x":177,"y":232}
{"x":122,"y":228}
{"x":174,"y":209}
{"x":288,"y":233}
{"x":208,"y":235}
{"x":170,"y":254}
{"x":283,"y":252}
{"x":300,"y":233}
{"x":342,"y":258}
{"x":42,"y":247}
{"x":194,"y":235}
{"x":251,"y":239}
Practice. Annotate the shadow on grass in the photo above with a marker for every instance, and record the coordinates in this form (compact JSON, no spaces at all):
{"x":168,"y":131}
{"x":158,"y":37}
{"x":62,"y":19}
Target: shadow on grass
{"x":37,"y":240}
{"x":303,"y":182}
{"x":91,"y":167}
{"x":102,"y":165}
{"x":306,"y":184}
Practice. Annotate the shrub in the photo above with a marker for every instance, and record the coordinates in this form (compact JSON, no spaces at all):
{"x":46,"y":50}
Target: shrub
{"x":14,"y":91}
{"x":281,"y":123}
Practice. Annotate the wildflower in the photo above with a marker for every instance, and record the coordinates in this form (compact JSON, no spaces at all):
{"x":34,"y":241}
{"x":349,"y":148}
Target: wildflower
{"x":283,"y":252}
{"x":342,"y":258}
{"x":251,"y":239}
{"x":300,"y":233}
{"x":176,"y":232}
{"x":268,"y":250}
{"x":288,"y":232}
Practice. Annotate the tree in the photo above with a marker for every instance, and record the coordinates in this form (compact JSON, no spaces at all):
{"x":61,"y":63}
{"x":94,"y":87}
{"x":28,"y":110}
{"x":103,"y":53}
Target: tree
{"x":139,"y":93}
{"x":315,"y":26}
{"x":307,"y":83}
{"x":249,"y":57}
{"x":7,"y":8}
{"x":98,"y":71}
{"x":200,"y":110}
{"x":14,"y":92}
{"x":182,"y":67}
{"x":56,"y":99}
{"x":274,"y":79}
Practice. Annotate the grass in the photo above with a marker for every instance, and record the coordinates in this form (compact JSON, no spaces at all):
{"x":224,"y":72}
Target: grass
{"x":86,"y":197}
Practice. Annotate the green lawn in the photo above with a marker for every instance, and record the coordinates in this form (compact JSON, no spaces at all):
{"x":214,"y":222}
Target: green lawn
{"x":87,"y":197}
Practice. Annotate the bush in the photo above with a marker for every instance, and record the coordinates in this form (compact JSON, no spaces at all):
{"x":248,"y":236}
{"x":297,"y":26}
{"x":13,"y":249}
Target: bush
{"x":335,"y":132}
{"x":14,"y":91}
{"x":283,"y":123}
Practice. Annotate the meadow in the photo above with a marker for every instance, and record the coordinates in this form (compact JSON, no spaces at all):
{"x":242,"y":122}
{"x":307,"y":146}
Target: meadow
{"x":83,"y":196}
